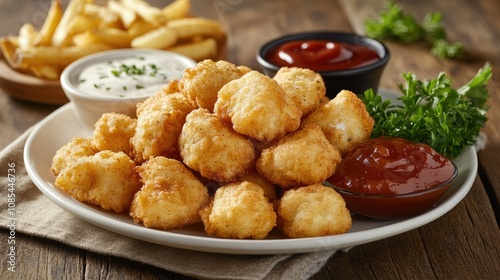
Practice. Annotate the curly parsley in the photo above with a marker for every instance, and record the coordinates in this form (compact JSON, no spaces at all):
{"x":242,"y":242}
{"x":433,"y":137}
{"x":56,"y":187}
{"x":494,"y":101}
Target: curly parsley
{"x":432,"y":112}
{"x":394,"y":24}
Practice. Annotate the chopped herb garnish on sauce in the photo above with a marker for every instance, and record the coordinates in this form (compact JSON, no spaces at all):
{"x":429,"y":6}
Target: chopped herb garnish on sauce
{"x":130,"y":70}
{"x":139,"y":75}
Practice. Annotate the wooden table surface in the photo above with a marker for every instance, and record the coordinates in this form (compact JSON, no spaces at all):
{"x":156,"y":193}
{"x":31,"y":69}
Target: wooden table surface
{"x":463,"y":244}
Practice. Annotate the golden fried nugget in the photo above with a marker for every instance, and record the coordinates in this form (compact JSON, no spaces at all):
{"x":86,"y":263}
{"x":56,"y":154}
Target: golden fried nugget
{"x":244,"y":69}
{"x":213,"y":149}
{"x":302,"y":158}
{"x":171,"y":195}
{"x":70,"y":152}
{"x":239,"y":210}
{"x":113,"y":132}
{"x":158,"y":127}
{"x":256,"y":106}
{"x":314,"y":210}
{"x":344,"y":120}
{"x":200,"y":84}
{"x":106,"y":179}
{"x":268,"y":187}
{"x":304,"y":86}
{"x":171,"y":87}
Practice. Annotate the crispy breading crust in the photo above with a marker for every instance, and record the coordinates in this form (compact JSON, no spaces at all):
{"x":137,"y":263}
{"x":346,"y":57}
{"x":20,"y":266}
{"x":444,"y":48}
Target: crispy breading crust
{"x":302,"y":158}
{"x":344,"y":120}
{"x":171,"y":195}
{"x":239,"y":210}
{"x":305,"y":87}
{"x":256,"y":106}
{"x":171,"y":87}
{"x":213,"y":149}
{"x":106,"y":179}
{"x":113,"y":132}
{"x":200,"y":84}
{"x":70,"y":152}
{"x":314,"y":210}
{"x":159,"y":126}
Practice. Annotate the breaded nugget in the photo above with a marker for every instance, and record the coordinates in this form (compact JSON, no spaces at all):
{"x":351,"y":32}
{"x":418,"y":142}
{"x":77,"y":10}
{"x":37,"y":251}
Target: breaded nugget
{"x":302,"y":158}
{"x":171,"y":195}
{"x":171,"y":87}
{"x":106,"y":179}
{"x":159,"y":126}
{"x":214,"y":149}
{"x":113,"y":132}
{"x":256,"y":106}
{"x":344,"y":120}
{"x":70,"y":152}
{"x":201,"y":83}
{"x":314,"y":210}
{"x":239,"y":210}
{"x":304,"y":86}
{"x":244,"y":69}
{"x":268,"y":187}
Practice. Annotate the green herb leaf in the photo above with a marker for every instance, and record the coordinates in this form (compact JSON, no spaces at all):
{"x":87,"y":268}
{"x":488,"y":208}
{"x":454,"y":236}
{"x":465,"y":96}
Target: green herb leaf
{"x":394,"y":24}
{"x":130,"y":70}
{"x":432,"y":112}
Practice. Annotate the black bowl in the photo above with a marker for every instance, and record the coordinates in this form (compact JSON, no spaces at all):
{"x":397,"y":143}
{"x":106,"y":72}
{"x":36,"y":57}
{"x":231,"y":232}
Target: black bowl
{"x":356,"y":80}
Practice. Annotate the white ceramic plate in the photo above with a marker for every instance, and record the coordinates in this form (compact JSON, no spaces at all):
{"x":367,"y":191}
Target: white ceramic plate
{"x":61,"y":126}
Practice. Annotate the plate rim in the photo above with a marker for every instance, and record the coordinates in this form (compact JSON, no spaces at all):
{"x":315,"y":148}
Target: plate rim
{"x":234,"y":246}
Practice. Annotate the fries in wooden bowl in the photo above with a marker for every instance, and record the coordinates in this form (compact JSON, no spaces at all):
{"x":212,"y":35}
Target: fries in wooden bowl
{"x":84,"y":28}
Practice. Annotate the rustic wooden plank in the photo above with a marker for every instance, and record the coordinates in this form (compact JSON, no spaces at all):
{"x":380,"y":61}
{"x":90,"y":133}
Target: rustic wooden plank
{"x":249,"y":27}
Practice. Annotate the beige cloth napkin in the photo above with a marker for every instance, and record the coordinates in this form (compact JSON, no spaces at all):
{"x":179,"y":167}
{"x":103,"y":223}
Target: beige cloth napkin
{"x":38,"y":216}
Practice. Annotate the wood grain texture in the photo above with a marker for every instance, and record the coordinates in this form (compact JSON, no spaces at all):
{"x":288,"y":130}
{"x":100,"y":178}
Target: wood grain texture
{"x":463,"y":244}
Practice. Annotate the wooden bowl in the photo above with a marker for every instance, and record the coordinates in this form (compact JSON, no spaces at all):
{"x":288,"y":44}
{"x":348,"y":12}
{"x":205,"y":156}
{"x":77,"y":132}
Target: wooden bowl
{"x":30,"y":88}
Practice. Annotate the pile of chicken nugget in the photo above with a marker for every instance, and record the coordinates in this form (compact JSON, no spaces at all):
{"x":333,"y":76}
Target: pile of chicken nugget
{"x":227,"y":146}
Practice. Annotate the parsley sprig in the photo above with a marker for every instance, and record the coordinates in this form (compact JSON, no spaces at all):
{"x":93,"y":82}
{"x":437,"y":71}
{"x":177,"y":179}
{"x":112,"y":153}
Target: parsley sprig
{"x":394,"y":24}
{"x":432,"y":112}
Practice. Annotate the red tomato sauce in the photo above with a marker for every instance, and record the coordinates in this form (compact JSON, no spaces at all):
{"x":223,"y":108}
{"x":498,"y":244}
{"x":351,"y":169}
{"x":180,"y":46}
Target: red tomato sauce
{"x":391,"y":166}
{"x":319,"y":55}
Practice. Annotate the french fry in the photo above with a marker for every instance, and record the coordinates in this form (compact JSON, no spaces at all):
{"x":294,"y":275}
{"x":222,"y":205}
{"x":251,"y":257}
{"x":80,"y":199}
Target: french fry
{"x":113,"y":37}
{"x":9,"y":45}
{"x":105,"y":17}
{"x":61,"y":56}
{"x":206,"y":48}
{"x":45,"y":71}
{"x":177,"y":9}
{"x":160,"y":38}
{"x":54,"y":16}
{"x":149,"y":13}
{"x":27,"y":36}
{"x":140,"y":27}
{"x":62,"y":33}
{"x":85,"y":27}
{"x":127,"y":16}
{"x":191,"y":27}
{"x":81,"y":23}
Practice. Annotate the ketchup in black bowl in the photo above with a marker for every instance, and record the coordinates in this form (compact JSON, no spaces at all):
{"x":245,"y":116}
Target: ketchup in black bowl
{"x":322,"y":55}
{"x":345,"y":61}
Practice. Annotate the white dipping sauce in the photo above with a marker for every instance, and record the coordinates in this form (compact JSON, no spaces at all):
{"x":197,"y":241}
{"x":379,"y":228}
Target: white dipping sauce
{"x":138,"y":76}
